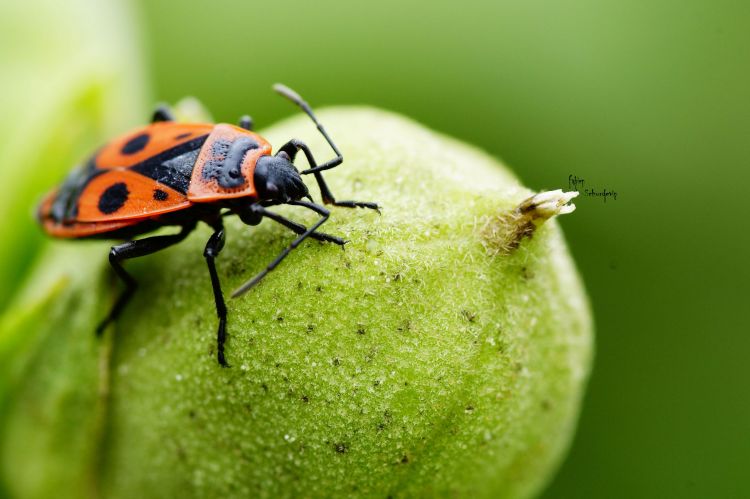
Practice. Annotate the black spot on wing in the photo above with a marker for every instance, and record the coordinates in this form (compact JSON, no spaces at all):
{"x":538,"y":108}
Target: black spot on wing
{"x":183,"y":136}
{"x":64,"y":208}
{"x":113,"y":198}
{"x":160,"y":195}
{"x":225,"y":165}
{"x":136,"y":144}
{"x":173,"y":167}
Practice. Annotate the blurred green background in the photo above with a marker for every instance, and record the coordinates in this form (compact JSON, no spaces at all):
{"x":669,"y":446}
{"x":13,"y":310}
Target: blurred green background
{"x":649,"y":99}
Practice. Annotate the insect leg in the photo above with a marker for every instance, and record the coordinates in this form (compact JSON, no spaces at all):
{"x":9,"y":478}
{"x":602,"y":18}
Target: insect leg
{"x":324,"y":214}
{"x":296,"y":227}
{"x":290,"y":149}
{"x":246,"y":122}
{"x":213,"y":247}
{"x":135,"y":249}
{"x":162,"y":113}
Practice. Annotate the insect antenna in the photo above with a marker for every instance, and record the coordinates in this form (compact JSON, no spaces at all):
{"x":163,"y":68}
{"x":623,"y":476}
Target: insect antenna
{"x":293,"y":96}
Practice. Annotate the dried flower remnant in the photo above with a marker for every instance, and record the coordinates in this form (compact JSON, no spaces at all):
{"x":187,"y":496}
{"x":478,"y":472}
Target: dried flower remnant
{"x":503,"y":233}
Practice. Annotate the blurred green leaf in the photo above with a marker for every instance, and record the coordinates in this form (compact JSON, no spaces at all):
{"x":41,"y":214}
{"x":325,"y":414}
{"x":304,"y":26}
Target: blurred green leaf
{"x":71,"y":76}
{"x":63,"y":395}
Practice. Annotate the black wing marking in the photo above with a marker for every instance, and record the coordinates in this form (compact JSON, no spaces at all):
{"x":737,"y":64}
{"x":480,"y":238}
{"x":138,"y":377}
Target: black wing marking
{"x":173,"y":167}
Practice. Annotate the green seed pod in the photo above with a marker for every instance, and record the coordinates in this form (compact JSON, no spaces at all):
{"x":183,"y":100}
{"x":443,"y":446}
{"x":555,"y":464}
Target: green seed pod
{"x":443,"y":352}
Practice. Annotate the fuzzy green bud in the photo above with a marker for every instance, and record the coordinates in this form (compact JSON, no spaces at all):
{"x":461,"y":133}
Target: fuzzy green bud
{"x":443,"y":352}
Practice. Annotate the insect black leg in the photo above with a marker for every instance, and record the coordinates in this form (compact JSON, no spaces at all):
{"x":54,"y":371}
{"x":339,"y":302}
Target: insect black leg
{"x":296,"y":227}
{"x":135,"y":249}
{"x":246,"y":122}
{"x":324,"y":213}
{"x":290,"y":149}
{"x":258,"y":209}
{"x":213,"y":247}
{"x":162,"y":113}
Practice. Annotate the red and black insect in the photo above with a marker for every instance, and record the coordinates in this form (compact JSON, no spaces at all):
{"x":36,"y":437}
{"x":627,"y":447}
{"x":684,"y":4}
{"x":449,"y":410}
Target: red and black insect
{"x":169,"y":173}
